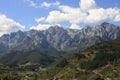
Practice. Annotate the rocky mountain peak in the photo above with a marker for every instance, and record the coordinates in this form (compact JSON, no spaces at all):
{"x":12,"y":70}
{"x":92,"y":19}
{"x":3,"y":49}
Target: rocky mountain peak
{"x":61,"y":39}
{"x":106,"y":24}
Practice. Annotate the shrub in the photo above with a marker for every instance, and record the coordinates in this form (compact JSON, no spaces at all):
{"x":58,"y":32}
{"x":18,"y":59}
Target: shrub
{"x":62,"y":63}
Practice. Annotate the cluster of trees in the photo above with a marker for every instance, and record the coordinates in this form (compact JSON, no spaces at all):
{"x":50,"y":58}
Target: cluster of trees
{"x":62,"y":63}
{"x":79,"y":56}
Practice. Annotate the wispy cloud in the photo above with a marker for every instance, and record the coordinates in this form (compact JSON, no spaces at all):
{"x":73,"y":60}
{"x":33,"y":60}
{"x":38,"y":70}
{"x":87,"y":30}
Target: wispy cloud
{"x":40,"y":5}
{"x":46,"y":4}
{"x":40,"y":19}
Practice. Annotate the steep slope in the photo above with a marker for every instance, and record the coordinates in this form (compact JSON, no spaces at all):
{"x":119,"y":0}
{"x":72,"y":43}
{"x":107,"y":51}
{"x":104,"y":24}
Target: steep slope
{"x":99,"y":62}
{"x":58,"y":38}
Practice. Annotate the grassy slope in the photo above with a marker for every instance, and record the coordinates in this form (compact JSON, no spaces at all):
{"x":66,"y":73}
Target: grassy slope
{"x":98,"y":62}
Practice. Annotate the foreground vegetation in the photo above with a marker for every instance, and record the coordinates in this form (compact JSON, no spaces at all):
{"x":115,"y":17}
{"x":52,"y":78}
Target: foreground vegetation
{"x":99,"y":62}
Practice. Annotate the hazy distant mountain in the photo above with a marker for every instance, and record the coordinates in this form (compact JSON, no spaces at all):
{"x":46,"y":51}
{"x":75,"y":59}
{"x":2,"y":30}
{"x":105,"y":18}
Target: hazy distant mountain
{"x":58,"y":38}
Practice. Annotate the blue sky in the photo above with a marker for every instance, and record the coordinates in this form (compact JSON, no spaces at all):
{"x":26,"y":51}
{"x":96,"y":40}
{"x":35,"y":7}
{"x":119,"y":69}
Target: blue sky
{"x":36,"y":13}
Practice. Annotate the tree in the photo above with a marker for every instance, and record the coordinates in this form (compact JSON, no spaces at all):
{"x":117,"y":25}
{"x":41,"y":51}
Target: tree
{"x":62,"y":63}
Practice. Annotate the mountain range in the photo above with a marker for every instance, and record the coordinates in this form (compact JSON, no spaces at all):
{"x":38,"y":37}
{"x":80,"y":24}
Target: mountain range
{"x":91,"y":53}
{"x":58,"y":38}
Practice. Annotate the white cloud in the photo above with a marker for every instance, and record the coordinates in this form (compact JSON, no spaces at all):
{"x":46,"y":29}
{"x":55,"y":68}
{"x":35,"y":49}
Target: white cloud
{"x":44,"y":26}
{"x":74,"y":26}
{"x":40,"y":19}
{"x":74,"y":15}
{"x":8,"y":25}
{"x":113,"y":13}
{"x":33,"y":4}
{"x":56,"y":16}
{"x":117,"y":18}
{"x":41,"y":27}
{"x":68,"y":14}
{"x":97,"y":15}
{"x":88,"y":12}
{"x":88,"y":4}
